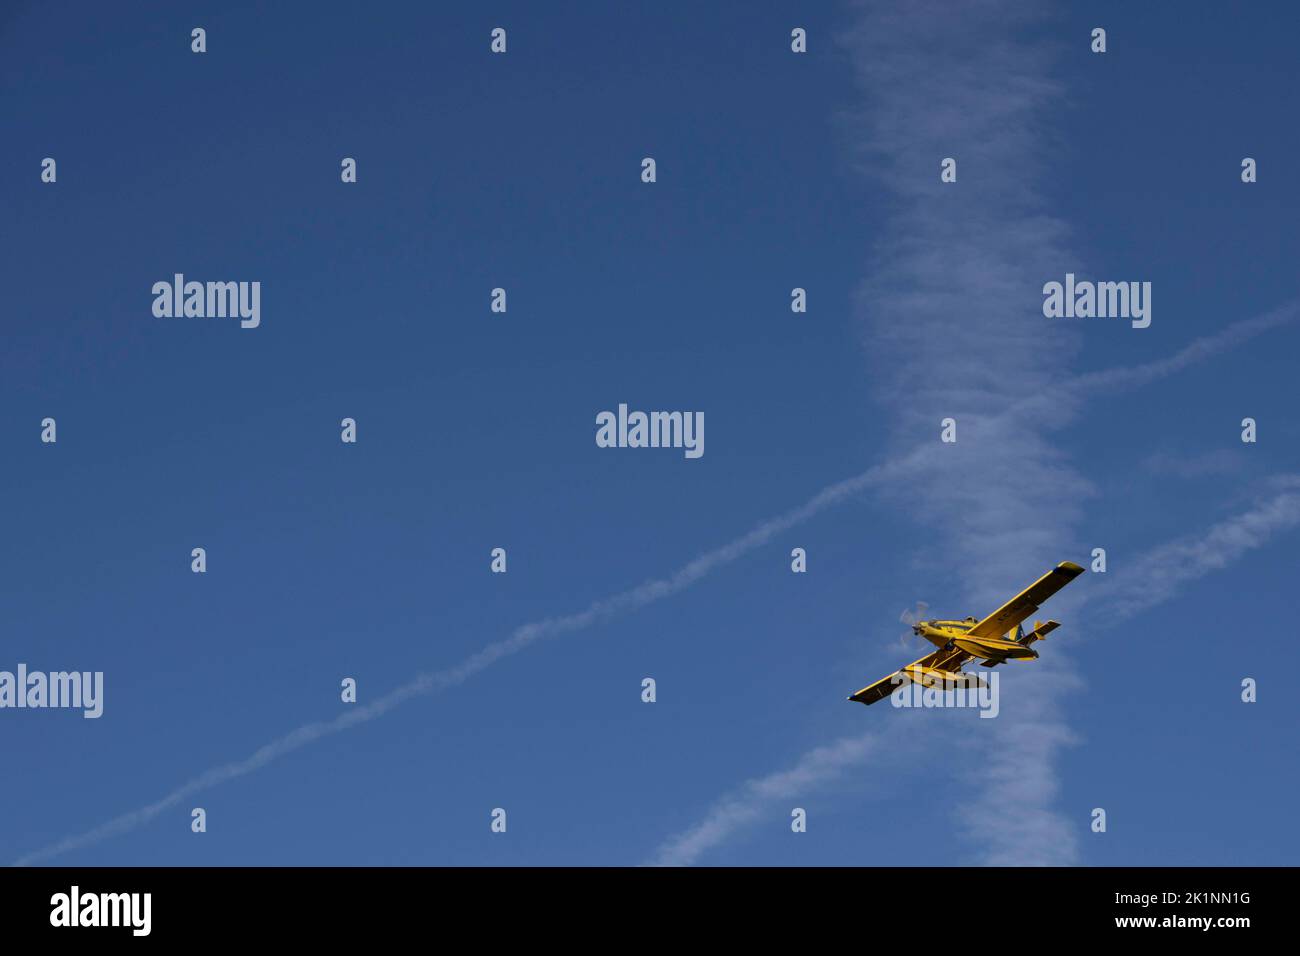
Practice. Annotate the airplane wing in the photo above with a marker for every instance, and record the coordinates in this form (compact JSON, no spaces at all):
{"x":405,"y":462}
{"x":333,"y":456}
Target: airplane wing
{"x":1026,"y":602}
{"x":940,"y":659}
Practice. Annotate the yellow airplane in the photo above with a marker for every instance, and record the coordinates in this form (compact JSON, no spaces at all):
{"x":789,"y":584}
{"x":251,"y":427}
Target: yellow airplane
{"x":960,"y":641}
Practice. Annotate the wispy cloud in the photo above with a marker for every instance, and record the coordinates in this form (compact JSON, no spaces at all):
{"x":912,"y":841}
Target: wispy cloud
{"x":899,"y":470}
{"x":1019,"y":773}
{"x":953,"y":327}
{"x":1215,"y":463}
{"x":1162,"y":572}
{"x":953,"y":324}
{"x":754,"y":798}
{"x":1232,"y":335}
{"x":426,"y":684}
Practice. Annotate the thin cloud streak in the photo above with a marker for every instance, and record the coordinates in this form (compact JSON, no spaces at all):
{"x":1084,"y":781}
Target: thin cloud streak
{"x":1161,"y":573}
{"x":814,"y":769}
{"x":426,"y":684}
{"x":953,"y":329}
{"x":1199,"y":350}
{"x":1157,"y":577}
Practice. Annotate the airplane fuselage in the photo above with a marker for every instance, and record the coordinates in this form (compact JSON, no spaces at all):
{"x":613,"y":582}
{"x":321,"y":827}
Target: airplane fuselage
{"x":998,"y":638}
{"x":949,"y":634}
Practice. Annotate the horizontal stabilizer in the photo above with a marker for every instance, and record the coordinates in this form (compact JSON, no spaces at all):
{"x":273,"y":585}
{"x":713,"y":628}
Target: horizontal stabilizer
{"x":1040,"y":631}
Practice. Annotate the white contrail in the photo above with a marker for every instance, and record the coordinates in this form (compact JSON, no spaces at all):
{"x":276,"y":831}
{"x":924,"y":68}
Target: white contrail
{"x":1156,"y":578}
{"x":1159,"y":574}
{"x":955,"y":328}
{"x":1200,"y":349}
{"x":1047,"y":405}
{"x":435,"y":681}
{"x":637,"y":597}
{"x":629,"y":600}
{"x":952,"y":304}
{"x":814,"y":769}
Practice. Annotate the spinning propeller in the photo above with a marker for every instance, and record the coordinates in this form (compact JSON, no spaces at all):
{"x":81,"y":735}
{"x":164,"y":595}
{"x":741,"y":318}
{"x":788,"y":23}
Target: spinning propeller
{"x":910,"y":617}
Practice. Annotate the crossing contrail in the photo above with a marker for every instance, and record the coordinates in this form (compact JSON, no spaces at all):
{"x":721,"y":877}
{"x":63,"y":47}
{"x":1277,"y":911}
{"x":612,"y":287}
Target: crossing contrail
{"x":632,"y":599}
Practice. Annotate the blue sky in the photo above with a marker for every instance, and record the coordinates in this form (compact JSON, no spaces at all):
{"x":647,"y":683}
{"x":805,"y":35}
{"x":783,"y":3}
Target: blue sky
{"x":476,"y":430}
